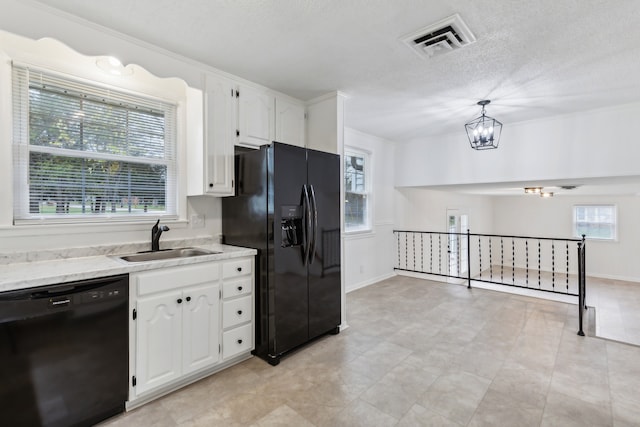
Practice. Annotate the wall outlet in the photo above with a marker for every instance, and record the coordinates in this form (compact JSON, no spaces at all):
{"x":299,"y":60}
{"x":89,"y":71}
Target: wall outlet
{"x":197,"y":221}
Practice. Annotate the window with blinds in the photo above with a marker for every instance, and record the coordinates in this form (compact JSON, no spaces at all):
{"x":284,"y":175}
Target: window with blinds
{"x":84,"y":151}
{"x":356,"y":190}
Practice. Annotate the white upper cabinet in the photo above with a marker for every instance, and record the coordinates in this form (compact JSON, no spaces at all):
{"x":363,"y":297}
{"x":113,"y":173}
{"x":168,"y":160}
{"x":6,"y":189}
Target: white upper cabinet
{"x":290,"y":122}
{"x":256,"y":112}
{"x":234,"y":114}
{"x":210,"y":153}
{"x":219,"y":135}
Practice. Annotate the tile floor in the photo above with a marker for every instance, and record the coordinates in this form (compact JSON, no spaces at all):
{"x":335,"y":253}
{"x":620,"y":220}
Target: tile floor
{"x":422,"y":353}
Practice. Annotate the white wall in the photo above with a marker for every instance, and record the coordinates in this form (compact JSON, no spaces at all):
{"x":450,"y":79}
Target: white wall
{"x":597,"y":143}
{"x":534,"y":216}
{"x":421,"y":209}
{"x":369,"y":256}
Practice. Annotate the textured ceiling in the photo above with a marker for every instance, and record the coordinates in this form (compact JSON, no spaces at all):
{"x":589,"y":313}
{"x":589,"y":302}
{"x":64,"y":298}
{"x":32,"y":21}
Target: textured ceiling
{"x":531,"y":58}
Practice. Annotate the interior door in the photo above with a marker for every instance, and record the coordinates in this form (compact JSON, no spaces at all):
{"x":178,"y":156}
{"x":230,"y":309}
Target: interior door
{"x":457,"y":226}
{"x":453,"y":243}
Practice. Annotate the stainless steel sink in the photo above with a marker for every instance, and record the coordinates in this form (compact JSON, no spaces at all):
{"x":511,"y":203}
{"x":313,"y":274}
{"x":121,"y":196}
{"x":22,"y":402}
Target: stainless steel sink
{"x":166,"y":254}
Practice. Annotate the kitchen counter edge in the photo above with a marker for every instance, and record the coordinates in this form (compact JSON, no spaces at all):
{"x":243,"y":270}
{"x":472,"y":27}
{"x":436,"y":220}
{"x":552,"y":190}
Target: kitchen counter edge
{"x":42,"y":273}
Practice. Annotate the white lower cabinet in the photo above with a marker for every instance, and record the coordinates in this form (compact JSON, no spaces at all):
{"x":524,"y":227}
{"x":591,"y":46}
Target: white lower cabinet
{"x":200,"y":328}
{"x":182,"y":329}
{"x":237,"y":308}
{"x":159,"y":341}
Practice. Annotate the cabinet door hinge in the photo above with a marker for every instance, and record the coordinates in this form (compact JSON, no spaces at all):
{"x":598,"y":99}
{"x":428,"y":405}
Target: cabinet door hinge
{"x":231,"y":183}
{"x":220,"y":293}
{"x":135,"y":314}
{"x":306,"y":116}
{"x":134,"y":381}
{"x":219,"y":349}
{"x":232,"y":92}
{"x":237,"y":132}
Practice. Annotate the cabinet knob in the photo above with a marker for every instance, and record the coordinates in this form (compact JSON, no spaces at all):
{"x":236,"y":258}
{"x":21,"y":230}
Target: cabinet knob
{"x":211,"y":185}
{"x":179,"y":300}
{"x":239,"y":341}
{"x":239,"y":288}
{"x":188,"y":298}
{"x":239,"y":269}
{"x":239,"y":312}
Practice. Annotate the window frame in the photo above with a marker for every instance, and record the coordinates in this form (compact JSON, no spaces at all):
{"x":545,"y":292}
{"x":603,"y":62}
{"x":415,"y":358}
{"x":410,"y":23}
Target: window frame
{"x":22,"y":149}
{"x":367,"y":227}
{"x":614,"y":224}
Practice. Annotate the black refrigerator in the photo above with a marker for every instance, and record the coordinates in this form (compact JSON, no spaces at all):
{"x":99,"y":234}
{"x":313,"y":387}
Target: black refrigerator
{"x":287,"y":206}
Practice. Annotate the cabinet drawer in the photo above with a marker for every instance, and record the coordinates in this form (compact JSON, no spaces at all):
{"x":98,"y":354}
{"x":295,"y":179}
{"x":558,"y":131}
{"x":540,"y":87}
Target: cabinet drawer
{"x":236,"y":341}
{"x":236,"y":311}
{"x":236,"y":288}
{"x":165,"y":279}
{"x":232,"y":269}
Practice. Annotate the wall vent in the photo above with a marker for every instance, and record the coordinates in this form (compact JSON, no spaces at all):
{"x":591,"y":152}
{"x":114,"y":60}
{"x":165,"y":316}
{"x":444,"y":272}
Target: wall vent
{"x":444,"y":36}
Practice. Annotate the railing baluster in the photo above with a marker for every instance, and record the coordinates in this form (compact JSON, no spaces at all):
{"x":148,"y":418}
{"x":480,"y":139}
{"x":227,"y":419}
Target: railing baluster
{"x":539,"y":259}
{"x":480,"y":255}
{"x":422,"y":252}
{"x":440,"y":253}
{"x":567,"y":278}
{"x":398,"y":240}
{"x":501,"y":260}
{"x":490,"y":261}
{"x":553,"y":265}
{"x":431,"y":254}
{"x":406,"y":251}
{"x":513,"y":261}
{"x":413,"y":235}
{"x":458,"y":258}
{"x":526,"y":245}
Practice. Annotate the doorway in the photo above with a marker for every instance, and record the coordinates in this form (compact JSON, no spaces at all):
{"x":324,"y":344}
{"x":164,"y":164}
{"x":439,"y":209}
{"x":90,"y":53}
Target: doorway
{"x":457,"y":225}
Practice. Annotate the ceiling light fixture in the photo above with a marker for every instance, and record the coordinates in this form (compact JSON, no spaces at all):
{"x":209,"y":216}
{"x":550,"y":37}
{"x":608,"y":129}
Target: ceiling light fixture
{"x":546,"y":194}
{"x":484,"y":132}
{"x":532,"y":190}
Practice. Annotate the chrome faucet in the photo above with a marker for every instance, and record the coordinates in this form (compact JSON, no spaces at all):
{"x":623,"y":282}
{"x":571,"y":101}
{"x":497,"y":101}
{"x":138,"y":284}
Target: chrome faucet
{"x":156,"y":232}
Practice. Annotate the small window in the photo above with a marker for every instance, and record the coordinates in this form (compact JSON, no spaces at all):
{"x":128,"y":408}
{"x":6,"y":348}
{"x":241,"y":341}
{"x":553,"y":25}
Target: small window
{"x":595,"y":221}
{"x":356,"y":189}
{"x":84,"y":151}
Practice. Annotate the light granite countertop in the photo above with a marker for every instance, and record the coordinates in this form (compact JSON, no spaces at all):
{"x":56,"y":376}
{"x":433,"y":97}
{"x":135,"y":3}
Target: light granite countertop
{"x":29,"y":274}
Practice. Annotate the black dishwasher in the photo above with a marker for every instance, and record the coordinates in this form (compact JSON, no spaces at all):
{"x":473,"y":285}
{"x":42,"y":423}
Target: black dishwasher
{"x":64,"y":353}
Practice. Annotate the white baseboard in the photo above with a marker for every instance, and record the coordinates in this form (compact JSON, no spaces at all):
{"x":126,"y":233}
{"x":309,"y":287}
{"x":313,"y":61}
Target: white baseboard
{"x":370,"y":282}
{"x":422,"y":276}
{"x":613,"y":277}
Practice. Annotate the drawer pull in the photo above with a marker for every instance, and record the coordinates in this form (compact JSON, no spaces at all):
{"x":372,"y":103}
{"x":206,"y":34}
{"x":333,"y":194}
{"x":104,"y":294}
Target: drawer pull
{"x":239,"y":312}
{"x":240,"y":341}
{"x":179,"y":300}
{"x":239,"y":269}
{"x":239,"y":288}
{"x":188,"y":298}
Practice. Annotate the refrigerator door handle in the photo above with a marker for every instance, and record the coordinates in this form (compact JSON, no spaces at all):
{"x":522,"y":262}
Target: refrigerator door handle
{"x":306,"y":207}
{"x":314,"y":220}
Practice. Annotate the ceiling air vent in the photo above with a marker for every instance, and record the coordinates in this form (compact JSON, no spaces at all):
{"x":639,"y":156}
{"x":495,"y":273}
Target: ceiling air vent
{"x":443,"y":36}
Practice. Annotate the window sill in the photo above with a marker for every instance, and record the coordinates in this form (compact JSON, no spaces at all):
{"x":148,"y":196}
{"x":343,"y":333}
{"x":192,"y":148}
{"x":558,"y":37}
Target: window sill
{"x":362,"y":233}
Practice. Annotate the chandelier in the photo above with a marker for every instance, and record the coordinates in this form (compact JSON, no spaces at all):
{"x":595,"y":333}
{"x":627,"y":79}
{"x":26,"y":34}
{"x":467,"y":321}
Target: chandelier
{"x":483,"y":132}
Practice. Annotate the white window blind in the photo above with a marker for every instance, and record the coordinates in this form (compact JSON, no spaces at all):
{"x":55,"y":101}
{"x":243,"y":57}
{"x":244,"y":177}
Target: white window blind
{"x":83,"y":151}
